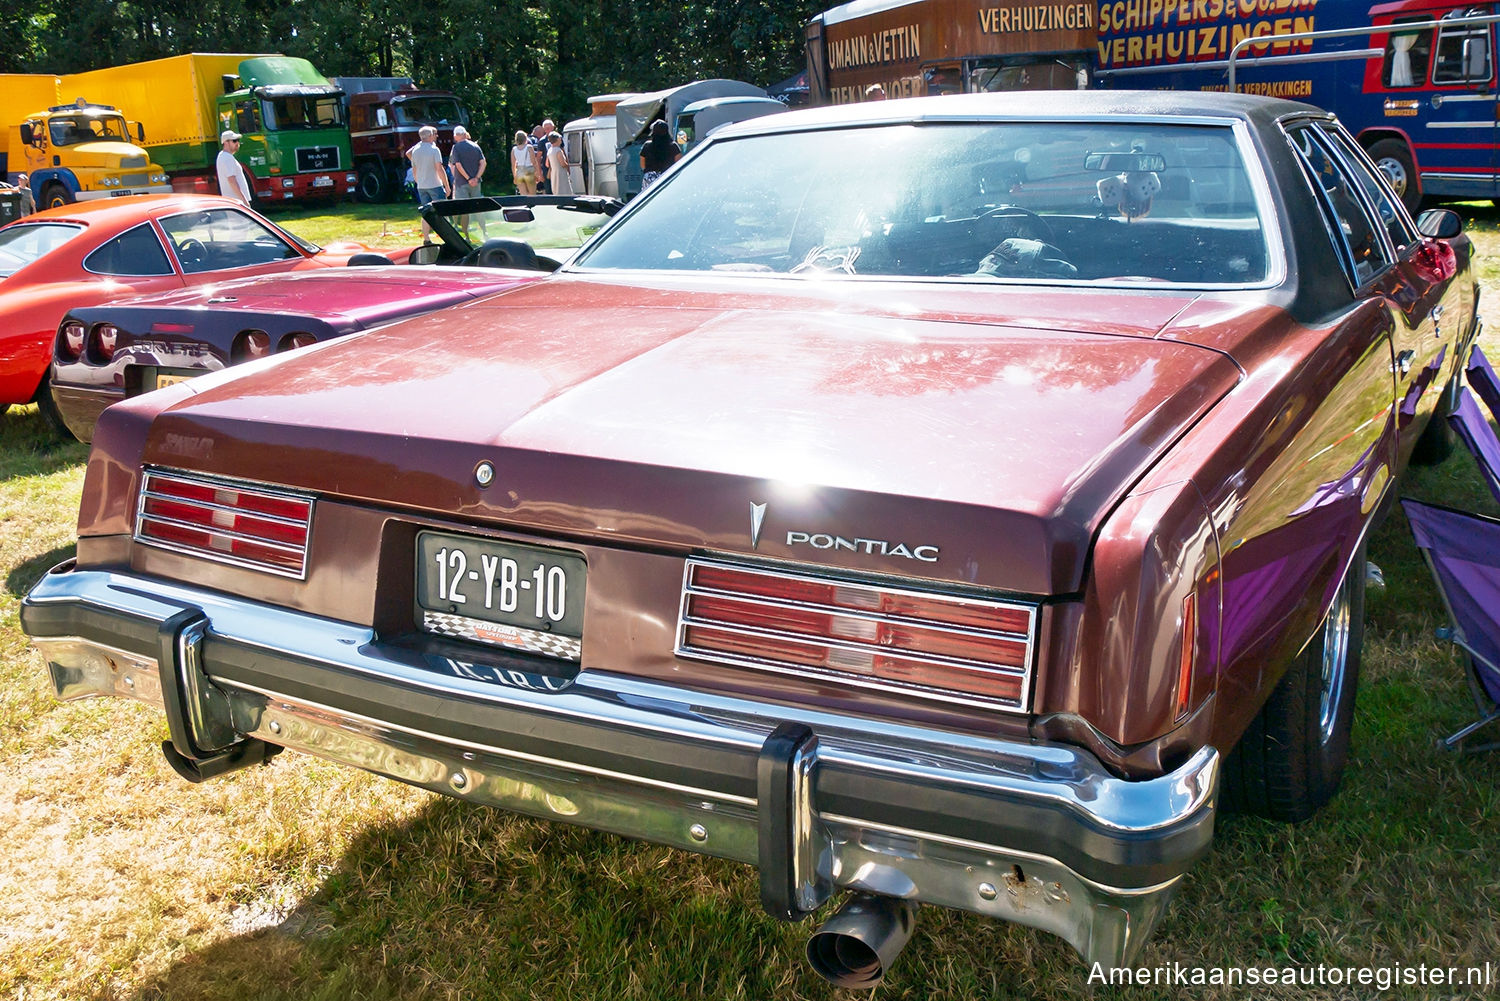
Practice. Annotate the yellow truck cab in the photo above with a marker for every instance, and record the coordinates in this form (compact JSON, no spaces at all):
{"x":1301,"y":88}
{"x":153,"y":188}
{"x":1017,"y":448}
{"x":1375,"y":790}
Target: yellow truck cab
{"x":81,"y":151}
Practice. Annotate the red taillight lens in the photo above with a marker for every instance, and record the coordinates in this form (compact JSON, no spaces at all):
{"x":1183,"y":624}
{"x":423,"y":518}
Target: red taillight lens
{"x":1185,"y":658}
{"x":102,"y":341}
{"x":70,"y":337}
{"x":235,"y":523}
{"x":249,"y":344}
{"x":1435,"y":261}
{"x":866,"y":634}
{"x":298,"y":340}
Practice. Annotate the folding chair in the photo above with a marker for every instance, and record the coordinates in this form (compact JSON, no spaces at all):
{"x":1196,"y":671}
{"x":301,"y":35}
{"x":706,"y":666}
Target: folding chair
{"x":1463,"y":553}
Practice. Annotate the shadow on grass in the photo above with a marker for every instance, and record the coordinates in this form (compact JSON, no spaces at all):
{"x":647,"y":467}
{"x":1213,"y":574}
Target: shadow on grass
{"x":477,"y":903}
{"x":25,"y":574}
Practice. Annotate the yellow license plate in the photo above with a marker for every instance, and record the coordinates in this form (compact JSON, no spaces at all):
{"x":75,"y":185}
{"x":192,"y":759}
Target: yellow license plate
{"x":165,"y":379}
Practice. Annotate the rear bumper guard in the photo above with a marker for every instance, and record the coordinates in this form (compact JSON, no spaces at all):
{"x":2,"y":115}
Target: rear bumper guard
{"x":1040,"y":835}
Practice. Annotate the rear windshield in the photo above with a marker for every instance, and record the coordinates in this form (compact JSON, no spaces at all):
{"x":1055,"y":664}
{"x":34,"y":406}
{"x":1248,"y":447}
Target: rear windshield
{"x":1102,"y":201}
{"x":23,"y":243}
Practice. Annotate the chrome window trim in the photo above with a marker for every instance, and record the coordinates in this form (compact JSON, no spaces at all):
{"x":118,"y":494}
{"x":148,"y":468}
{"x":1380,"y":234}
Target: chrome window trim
{"x":1250,"y":157}
{"x":900,"y":586}
{"x":172,"y":261}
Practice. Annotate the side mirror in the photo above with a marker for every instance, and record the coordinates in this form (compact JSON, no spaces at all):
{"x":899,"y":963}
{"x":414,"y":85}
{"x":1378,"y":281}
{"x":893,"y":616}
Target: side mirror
{"x":140,"y":132}
{"x":1440,"y":224}
{"x":1477,"y":59}
{"x":28,"y":134}
{"x":426,"y":254}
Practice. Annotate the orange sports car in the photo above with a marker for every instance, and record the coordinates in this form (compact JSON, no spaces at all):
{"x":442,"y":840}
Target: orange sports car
{"x":94,"y":252}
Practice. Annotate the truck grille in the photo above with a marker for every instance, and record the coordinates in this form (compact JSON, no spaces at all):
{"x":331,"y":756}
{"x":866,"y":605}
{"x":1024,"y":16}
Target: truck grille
{"x":127,"y":162}
{"x":317,"y":158}
{"x":894,"y":636}
{"x":131,"y":180}
{"x":223,"y":520}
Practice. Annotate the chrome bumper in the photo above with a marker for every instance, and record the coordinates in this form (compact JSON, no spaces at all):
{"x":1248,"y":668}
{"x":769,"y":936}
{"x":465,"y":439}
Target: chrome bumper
{"x":1036,"y":834}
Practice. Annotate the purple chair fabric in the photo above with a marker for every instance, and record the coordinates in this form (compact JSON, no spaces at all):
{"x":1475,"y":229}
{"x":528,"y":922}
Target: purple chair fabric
{"x":1472,"y":426}
{"x":1483,"y":379}
{"x":1463,"y":552}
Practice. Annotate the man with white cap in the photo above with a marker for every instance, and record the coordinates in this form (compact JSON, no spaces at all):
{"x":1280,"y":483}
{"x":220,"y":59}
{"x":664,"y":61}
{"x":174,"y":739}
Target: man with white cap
{"x":232,"y":180}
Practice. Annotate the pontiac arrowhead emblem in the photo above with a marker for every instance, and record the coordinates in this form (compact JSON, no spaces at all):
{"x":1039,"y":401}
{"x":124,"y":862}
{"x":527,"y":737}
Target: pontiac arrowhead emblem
{"x":757,"y":515}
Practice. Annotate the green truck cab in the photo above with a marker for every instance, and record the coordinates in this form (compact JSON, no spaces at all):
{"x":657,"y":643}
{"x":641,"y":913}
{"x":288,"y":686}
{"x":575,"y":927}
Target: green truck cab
{"x":81,"y":151}
{"x":295,"y":134}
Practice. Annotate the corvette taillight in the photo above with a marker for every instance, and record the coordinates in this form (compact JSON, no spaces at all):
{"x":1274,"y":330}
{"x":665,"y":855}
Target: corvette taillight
{"x":102,"y":341}
{"x":249,"y":344}
{"x":70,"y":337}
{"x":224,"y":520}
{"x":293,"y":341}
{"x":892,"y":636}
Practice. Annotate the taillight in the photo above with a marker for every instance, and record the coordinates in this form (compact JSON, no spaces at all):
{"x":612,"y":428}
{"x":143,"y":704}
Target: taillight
{"x":891,"y":636}
{"x":249,"y":344}
{"x":102,"y":341}
{"x":70,"y":337}
{"x":1185,"y":657}
{"x":298,"y":340}
{"x":223,"y":520}
{"x":1435,"y":261}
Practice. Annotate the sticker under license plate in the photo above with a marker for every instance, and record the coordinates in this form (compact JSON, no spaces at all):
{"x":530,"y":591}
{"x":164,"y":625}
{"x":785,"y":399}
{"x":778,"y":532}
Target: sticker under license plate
{"x":505,"y":594}
{"x":322,"y":182}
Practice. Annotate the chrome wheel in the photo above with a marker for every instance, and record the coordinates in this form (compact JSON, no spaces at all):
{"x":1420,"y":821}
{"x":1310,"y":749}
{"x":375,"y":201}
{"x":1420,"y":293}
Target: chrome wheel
{"x":1335,"y":662}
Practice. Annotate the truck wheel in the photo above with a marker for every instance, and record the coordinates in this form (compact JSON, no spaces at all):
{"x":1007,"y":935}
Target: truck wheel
{"x":1395,"y":162}
{"x":372,"y":186}
{"x":55,"y":195}
{"x":1290,"y":760}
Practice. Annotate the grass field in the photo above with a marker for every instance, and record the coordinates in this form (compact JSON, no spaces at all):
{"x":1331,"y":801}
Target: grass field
{"x":306,"y":881}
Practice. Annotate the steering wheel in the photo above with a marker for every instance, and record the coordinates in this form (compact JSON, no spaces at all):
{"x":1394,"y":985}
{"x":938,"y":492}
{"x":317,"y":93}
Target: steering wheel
{"x":500,"y":252}
{"x":1024,"y":223}
{"x":191,"y":251}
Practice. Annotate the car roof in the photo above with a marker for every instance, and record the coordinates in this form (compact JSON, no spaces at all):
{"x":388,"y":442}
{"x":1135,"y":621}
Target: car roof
{"x":1027,"y":105}
{"x":104,"y":211}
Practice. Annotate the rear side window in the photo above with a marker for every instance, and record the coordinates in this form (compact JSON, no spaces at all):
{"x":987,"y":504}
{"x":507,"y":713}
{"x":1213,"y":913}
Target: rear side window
{"x":1392,"y":213}
{"x":134,"y":253}
{"x":22,"y":243}
{"x":1354,"y":233}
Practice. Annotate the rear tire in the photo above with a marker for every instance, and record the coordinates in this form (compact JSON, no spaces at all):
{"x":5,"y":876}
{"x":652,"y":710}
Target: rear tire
{"x":46,"y":405}
{"x":56,"y":195}
{"x":1436,"y":441}
{"x":1395,"y":162}
{"x":372,"y":183}
{"x":1291,"y":759}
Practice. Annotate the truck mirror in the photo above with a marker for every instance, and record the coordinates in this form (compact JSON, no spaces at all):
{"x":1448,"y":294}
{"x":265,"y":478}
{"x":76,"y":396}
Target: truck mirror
{"x":28,"y":134}
{"x":1477,"y":59}
{"x":381,"y":119}
{"x":140,"y":132}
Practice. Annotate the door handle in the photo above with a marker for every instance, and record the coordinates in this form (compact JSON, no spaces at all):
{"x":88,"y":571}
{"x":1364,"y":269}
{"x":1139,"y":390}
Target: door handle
{"x":1403,"y":363}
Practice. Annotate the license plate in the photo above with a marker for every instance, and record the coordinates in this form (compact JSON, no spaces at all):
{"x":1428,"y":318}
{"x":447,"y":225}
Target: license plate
{"x":322,"y":182}
{"x":516,"y":596}
{"x":169,"y":379}
{"x":121,"y":194}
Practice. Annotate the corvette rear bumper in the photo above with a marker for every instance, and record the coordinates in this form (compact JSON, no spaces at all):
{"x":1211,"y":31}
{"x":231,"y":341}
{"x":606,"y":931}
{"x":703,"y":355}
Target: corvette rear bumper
{"x":1037,"y":834}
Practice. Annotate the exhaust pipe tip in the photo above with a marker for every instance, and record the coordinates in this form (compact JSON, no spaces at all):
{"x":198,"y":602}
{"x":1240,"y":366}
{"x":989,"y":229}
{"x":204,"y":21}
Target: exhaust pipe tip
{"x":858,"y":945}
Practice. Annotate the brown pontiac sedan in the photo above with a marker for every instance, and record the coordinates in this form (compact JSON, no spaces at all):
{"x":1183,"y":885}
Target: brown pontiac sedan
{"x":958,"y":529}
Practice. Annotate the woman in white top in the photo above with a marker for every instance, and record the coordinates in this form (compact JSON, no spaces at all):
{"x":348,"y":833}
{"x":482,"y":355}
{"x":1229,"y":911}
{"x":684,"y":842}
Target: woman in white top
{"x":557,"y":166}
{"x":521,"y":167}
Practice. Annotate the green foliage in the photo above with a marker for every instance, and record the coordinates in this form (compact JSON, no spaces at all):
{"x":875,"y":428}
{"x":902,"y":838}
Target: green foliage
{"x":514,"y":63}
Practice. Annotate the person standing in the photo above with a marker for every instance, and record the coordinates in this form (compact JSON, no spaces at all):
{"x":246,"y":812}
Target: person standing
{"x":557,"y":165}
{"x":522,"y":166}
{"x":659,"y":153}
{"x":468,"y":163}
{"x":539,"y":159}
{"x":232,"y":180}
{"x":427,"y":170}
